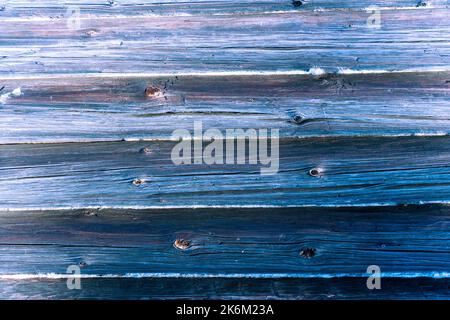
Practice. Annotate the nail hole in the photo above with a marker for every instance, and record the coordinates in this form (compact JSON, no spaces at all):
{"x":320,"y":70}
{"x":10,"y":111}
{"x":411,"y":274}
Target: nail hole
{"x":298,"y":119}
{"x":91,"y":33}
{"x":82,"y":264}
{"x":308,"y":253}
{"x":138,"y":182}
{"x":145,"y":150}
{"x":421,"y":4}
{"x":181,"y":244}
{"x":315,"y":172}
{"x":90,"y":213}
{"x":297,"y":3}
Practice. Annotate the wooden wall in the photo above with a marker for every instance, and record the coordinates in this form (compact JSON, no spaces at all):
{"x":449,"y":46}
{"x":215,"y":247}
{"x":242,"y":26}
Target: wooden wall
{"x":88,"y":107}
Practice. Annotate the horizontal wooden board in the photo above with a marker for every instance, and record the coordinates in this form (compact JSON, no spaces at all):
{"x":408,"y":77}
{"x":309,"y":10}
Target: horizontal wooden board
{"x":121,"y":252}
{"x":60,"y":109}
{"x":351,"y":171}
{"x":265,"y":41}
{"x":225,"y":288}
{"x":57,"y":8}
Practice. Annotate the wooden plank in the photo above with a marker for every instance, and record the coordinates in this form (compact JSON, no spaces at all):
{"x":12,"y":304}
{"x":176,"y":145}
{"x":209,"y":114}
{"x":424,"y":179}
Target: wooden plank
{"x":351,"y":171}
{"x":272,"y":41}
{"x":218,"y":289}
{"x":224,"y":242}
{"x":56,"y":8}
{"x":79,"y":109}
{"x":124,"y":252}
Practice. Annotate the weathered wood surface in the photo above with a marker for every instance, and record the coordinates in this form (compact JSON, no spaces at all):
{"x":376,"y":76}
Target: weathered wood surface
{"x":125,"y":253}
{"x":367,"y":107}
{"x":247,"y":36}
{"x":228,"y":288}
{"x":62,"y":109}
{"x":25,"y":8}
{"x":353,"y":171}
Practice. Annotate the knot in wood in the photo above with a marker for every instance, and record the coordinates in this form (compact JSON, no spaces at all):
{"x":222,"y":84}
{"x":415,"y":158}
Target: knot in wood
{"x":138,"y":182}
{"x":152,"y":92}
{"x":421,"y":4}
{"x":146,"y":150}
{"x":298,"y":119}
{"x":315,"y":172}
{"x":90,"y":213}
{"x":308,"y":253}
{"x":181,"y":244}
{"x":91,"y":33}
{"x":82,"y":264}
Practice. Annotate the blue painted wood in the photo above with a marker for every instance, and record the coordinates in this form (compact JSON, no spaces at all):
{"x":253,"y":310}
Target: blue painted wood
{"x":230,"y":40}
{"x":219,"y":289}
{"x":352,"y":171}
{"x":97,"y":109}
{"x":283,"y":253}
{"x":367,"y":108}
{"x":171,"y":7}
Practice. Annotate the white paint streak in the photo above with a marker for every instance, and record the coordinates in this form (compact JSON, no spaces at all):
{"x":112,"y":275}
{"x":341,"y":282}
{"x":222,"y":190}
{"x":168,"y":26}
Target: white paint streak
{"x":237,"y":73}
{"x":16,"y":92}
{"x":5,"y":97}
{"x":316,"y":71}
{"x":249,"y":206}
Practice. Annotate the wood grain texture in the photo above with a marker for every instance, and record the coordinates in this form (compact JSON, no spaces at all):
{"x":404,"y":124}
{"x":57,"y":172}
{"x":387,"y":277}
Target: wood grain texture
{"x":273,"y":40}
{"x":139,"y":7}
{"x":354,"y":171}
{"x":368,"y":108}
{"x":221,"y":289}
{"x":97,"y":109}
{"x":123,"y":253}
